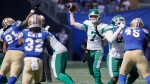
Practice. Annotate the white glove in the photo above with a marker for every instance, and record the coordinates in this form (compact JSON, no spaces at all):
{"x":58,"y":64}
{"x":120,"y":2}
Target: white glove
{"x":47,"y":27}
{"x":121,"y":25}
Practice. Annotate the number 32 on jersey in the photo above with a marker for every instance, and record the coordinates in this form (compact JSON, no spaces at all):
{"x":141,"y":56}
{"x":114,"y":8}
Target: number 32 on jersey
{"x":35,"y":45}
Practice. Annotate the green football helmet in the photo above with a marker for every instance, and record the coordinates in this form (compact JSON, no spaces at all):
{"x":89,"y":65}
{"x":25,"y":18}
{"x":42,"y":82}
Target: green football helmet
{"x":117,"y":19}
{"x":94,"y":12}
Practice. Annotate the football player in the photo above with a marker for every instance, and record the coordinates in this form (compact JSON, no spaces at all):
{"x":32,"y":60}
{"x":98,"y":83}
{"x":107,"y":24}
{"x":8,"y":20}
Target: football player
{"x":34,"y":41}
{"x":94,"y":42}
{"x":59,"y":60}
{"x":13,"y":52}
{"x":116,"y":51}
{"x":2,"y":55}
{"x":135,"y":39}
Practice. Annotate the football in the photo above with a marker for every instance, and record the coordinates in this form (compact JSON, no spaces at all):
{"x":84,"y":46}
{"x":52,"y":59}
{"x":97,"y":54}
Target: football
{"x":72,"y":7}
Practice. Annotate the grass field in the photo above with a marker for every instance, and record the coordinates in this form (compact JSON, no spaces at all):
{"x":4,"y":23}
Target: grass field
{"x":79,"y":73}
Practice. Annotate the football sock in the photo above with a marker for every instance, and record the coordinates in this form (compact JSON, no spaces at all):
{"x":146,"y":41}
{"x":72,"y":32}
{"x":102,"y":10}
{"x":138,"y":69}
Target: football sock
{"x":148,"y":79}
{"x":1,"y":78}
{"x":122,"y":79}
{"x":12,"y":80}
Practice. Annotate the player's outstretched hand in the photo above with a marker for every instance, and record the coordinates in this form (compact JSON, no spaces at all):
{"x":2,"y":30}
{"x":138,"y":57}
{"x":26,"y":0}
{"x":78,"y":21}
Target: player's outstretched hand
{"x":35,"y":6}
{"x":121,"y":25}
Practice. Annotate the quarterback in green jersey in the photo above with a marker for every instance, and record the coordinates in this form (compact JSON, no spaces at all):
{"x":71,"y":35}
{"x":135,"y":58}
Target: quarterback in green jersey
{"x":94,"y":41}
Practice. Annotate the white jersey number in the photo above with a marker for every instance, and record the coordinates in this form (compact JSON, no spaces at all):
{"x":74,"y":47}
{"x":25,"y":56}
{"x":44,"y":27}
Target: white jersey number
{"x":9,"y":37}
{"x":30,"y":46}
{"x":135,"y":32}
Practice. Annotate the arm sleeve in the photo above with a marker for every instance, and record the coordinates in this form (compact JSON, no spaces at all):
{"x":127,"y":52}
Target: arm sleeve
{"x":79,"y":26}
{"x":110,"y":36}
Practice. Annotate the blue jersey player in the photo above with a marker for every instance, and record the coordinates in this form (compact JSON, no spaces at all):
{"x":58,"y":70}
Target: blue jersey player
{"x":135,"y":39}
{"x":13,"y":52}
{"x":34,"y":41}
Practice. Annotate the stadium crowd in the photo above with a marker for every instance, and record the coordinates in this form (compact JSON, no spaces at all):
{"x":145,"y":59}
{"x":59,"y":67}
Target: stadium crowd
{"x":104,"y":6}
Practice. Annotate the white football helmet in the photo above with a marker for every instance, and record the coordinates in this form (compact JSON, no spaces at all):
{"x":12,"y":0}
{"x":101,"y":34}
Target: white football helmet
{"x":94,"y":12}
{"x":7,"y":21}
{"x":137,"y":22}
{"x":34,"y":21}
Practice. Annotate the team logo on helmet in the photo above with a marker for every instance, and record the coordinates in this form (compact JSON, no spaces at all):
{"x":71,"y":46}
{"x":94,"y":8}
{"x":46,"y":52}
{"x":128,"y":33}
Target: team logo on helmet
{"x":137,"y":22}
{"x":96,"y":14}
{"x":34,"y":21}
{"x":7,"y":21}
{"x":117,"y":19}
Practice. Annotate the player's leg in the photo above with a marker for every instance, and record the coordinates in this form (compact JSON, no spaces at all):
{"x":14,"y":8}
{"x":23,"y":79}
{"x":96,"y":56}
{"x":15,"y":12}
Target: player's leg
{"x":46,"y":64}
{"x":113,"y":65}
{"x":133,"y":75}
{"x":90,"y":62}
{"x":98,"y":55}
{"x":5,"y":78}
{"x":16,"y":66}
{"x":5,"y":65}
{"x":28,"y":74}
{"x":58,"y":64}
{"x":142,"y":65}
{"x":127,"y":65}
{"x":38,"y":73}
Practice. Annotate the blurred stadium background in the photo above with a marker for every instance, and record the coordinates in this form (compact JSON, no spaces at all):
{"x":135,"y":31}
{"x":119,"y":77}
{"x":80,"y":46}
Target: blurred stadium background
{"x":56,"y":15}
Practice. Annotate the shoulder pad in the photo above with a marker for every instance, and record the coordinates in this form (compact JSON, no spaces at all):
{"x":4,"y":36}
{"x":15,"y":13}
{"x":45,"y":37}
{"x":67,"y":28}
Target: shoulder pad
{"x":102,"y":25}
{"x":87,"y":22}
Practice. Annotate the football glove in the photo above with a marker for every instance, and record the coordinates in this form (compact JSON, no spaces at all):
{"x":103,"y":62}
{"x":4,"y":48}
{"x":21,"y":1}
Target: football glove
{"x":35,"y":5}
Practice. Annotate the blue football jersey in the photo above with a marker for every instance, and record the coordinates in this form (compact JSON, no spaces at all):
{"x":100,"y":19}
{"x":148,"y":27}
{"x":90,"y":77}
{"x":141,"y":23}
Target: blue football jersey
{"x":10,"y":36}
{"x":134,"y":38}
{"x":34,"y":43}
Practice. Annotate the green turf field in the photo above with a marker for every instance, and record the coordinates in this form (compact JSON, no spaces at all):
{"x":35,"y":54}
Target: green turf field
{"x":79,"y":73}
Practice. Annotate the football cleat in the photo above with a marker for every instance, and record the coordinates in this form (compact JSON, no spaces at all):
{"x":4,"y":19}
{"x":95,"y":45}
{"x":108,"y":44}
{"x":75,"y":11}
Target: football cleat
{"x":137,"y":22}
{"x":7,"y":22}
